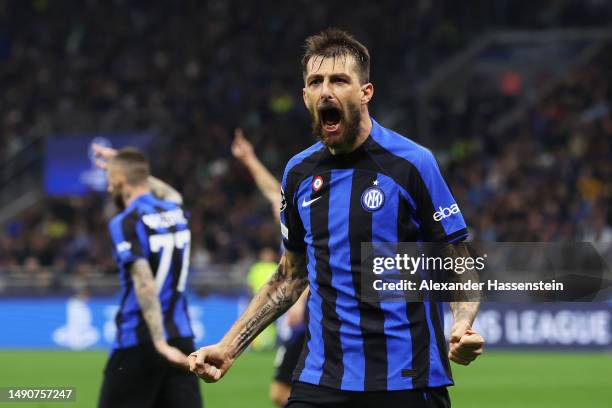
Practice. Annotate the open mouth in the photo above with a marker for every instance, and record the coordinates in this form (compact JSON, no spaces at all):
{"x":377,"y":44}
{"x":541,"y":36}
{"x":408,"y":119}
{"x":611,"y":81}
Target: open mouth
{"x":330,"y":118}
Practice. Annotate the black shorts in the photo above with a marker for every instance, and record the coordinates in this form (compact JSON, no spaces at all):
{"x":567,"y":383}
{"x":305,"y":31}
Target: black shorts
{"x":140,"y":377}
{"x":305,"y":395}
{"x":287,"y":356}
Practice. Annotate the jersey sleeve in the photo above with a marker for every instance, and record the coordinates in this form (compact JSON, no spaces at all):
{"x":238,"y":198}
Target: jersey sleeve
{"x":437,"y":211}
{"x":292,"y":229}
{"x":127,"y":247}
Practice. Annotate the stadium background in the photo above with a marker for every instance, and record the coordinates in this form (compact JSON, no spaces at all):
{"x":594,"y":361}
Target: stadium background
{"x":512,"y":96}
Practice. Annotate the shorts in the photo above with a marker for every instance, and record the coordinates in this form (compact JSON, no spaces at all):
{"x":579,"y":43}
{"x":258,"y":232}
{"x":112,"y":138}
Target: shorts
{"x":287,"y":356}
{"x":140,"y":377}
{"x":305,"y":395}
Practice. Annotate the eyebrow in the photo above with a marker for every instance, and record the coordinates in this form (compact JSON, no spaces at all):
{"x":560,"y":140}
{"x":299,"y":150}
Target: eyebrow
{"x":332,"y":76}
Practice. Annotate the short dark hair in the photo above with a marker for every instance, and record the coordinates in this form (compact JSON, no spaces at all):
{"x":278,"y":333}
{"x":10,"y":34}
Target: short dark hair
{"x":134,"y":164}
{"x":332,"y":43}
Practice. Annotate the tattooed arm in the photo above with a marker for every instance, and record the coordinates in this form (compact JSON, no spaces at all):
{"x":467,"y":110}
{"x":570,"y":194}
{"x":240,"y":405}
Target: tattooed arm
{"x":282,"y":290}
{"x":164,"y":190}
{"x":146,"y":293}
{"x":465,"y":343}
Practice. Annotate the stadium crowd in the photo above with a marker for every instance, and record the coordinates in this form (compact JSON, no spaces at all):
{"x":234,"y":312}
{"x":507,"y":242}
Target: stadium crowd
{"x":548,"y":177}
{"x":208,"y":67}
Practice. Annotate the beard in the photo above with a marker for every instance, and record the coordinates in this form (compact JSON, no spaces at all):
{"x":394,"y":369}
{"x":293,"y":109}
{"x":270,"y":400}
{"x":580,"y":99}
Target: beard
{"x":349,"y":120}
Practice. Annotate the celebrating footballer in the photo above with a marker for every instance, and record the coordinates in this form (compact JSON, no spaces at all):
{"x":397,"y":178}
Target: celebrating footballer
{"x":359,"y":183}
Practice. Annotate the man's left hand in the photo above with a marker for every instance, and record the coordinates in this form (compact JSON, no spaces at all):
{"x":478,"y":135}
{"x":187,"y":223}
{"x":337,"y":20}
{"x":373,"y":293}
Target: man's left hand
{"x":465,"y":344}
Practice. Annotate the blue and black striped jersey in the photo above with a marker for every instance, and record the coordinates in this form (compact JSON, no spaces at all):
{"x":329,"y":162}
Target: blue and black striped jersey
{"x":158,"y":231}
{"x":390,"y":189}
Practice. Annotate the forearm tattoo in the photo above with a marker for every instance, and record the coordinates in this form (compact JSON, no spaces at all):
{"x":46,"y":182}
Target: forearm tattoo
{"x":146,"y":293}
{"x":463,"y":310}
{"x":164,"y":190}
{"x":275,"y":298}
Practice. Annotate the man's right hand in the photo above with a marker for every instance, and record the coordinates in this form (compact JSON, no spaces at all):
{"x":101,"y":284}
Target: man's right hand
{"x":210,"y":363}
{"x":172,"y":354}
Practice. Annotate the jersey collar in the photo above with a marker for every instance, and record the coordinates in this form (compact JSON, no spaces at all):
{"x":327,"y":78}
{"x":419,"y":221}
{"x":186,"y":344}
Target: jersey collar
{"x":139,"y":200}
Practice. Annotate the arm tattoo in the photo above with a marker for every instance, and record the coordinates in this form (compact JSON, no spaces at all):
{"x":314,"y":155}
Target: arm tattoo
{"x":275,"y":298}
{"x":164,"y":190}
{"x":463,"y":310}
{"x":146,"y":292}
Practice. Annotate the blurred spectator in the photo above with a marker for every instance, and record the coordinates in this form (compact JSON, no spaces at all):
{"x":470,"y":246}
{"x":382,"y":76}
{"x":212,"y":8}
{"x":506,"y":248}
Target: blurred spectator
{"x":205,"y":67}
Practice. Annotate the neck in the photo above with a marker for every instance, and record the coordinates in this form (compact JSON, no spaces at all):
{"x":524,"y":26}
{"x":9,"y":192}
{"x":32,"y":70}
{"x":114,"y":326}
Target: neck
{"x":365,"y":127}
{"x":134,"y":192}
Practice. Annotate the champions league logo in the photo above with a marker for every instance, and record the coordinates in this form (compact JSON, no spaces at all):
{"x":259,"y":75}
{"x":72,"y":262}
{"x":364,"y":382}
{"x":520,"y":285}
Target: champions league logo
{"x":372,"y":199}
{"x":283,"y":203}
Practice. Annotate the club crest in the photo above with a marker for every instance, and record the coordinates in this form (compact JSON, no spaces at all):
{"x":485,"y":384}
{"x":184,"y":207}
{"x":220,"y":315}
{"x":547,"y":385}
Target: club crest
{"x":372,"y":199}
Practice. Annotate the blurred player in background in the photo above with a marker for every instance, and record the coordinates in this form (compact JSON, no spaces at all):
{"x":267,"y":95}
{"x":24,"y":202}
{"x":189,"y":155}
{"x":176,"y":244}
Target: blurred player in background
{"x":290,"y":327}
{"x":151,"y":241}
{"x":258,"y":275}
{"x":269,"y":186}
{"x":359,"y":183}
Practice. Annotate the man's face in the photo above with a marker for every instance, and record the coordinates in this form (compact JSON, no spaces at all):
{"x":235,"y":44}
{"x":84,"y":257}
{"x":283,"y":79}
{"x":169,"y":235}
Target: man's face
{"x":116,"y":181}
{"x":333,"y":95}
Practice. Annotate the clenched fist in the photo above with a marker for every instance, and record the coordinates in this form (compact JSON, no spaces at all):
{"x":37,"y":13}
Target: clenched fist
{"x":465,"y":344}
{"x":210,"y":363}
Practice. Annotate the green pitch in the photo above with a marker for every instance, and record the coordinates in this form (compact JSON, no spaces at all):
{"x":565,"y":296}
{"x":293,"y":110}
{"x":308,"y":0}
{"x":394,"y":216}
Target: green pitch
{"x":498,"y":379}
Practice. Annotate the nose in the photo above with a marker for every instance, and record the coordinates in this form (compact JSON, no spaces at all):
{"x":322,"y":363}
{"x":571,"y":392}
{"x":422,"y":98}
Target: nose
{"x":326,"y":91}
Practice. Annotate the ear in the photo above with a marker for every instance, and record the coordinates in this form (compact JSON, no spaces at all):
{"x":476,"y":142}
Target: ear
{"x":367,"y":92}
{"x":120,"y":180}
{"x":304,"y":97}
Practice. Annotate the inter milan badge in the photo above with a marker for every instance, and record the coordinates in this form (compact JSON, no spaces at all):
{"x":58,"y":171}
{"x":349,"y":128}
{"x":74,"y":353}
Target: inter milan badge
{"x":317,"y":183}
{"x":372,"y":199}
{"x":283,"y":203}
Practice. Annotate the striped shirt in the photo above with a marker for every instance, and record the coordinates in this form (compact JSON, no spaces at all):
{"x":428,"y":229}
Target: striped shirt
{"x":157,"y":231}
{"x":390,"y":189}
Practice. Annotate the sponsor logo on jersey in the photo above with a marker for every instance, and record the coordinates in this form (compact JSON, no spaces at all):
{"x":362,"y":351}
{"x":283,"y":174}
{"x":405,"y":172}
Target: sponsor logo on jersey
{"x":445,"y":212}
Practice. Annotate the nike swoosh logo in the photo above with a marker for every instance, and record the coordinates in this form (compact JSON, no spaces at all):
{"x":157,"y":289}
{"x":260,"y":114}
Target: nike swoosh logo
{"x":307,"y":203}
